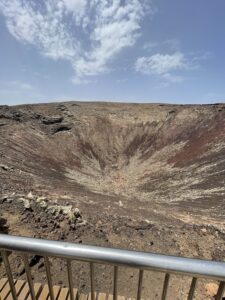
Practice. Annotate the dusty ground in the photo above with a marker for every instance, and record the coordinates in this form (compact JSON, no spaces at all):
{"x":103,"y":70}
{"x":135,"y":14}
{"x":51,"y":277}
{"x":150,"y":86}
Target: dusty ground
{"x":145,"y":177}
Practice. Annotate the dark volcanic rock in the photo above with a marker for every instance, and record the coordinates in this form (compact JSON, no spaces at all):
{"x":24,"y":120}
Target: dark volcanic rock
{"x":60,"y":128}
{"x":10,"y":113}
{"x":52,"y":120}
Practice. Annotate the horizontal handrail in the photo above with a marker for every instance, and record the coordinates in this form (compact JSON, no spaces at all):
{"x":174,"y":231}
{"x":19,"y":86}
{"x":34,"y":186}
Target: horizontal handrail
{"x":116,"y":257}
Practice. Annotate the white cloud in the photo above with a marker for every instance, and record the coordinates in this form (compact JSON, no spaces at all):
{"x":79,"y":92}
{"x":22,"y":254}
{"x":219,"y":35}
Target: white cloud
{"x":164,"y":65}
{"x":88,"y":33}
{"x":161,"y":63}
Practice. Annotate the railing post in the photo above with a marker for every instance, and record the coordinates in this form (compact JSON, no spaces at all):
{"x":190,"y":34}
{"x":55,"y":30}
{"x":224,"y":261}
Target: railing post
{"x":9,"y":274}
{"x":70,"y":280}
{"x":49,"y":278}
{"x":29,"y":277}
{"x":115,"y":283}
{"x":92,"y":281}
{"x":165,"y":286}
{"x":192,"y":288}
{"x":140,"y":280}
{"x":220,"y":291}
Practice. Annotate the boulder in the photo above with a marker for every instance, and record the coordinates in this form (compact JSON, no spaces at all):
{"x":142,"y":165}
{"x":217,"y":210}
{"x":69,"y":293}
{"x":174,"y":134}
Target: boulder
{"x":60,"y":128}
{"x":48,"y":120}
{"x":10,"y":113}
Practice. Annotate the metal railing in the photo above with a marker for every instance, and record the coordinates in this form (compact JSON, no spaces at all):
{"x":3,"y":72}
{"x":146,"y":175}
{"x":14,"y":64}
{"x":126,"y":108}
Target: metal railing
{"x":141,"y":260}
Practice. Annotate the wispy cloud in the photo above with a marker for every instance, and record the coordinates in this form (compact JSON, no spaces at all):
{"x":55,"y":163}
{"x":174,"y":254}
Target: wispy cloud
{"x":170,"y":67}
{"x":163,"y":65}
{"x":88,"y":33}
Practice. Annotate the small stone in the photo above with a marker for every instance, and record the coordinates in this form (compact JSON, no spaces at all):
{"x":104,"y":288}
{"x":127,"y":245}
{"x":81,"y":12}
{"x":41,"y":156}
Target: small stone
{"x":73,"y":226}
{"x":26,"y":204}
{"x":43,"y":204}
{"x":71,"y":217}
{"x":9,"y":200}
{"x":40,"y":199}
{"x":77,"y":212}
{"x":4,"y":198}
{"x":4,"y":167}
{"x":83,"y":223}
{"x":30,"y":196}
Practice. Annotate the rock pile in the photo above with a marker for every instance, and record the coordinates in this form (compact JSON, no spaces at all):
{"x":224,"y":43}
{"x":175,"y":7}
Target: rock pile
{"x":10,"y":113}
{"x":47,"y":212}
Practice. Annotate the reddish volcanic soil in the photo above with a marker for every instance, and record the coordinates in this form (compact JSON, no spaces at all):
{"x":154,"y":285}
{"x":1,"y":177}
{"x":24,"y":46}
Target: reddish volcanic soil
{"x":144,"y":176}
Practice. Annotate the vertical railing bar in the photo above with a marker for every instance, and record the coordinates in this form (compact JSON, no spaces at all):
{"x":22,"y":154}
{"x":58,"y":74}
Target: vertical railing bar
{"x":115,"y":283}
{"x":70,"y":280}
{"x":192,"y":288}
{"x":140,"y":280}
{"x":9,"y":274}
{"x":49,"y":278}
{"x":220,"y":292}
{"x":29,"y":277}
{"x":92,"y":281}
{"x":165,"y":286}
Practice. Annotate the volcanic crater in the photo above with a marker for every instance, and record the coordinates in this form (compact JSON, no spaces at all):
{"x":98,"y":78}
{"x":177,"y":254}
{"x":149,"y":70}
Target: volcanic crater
{"x":135,"y":157}
{"x":148,"y":177}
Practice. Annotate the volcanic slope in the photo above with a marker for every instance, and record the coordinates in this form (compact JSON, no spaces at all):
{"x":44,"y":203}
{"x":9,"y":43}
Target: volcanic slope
{"x":153,"y":161}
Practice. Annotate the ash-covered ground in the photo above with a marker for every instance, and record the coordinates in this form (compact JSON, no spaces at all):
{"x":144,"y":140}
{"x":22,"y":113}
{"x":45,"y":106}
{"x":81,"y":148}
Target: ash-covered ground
{"x":136,"y":176}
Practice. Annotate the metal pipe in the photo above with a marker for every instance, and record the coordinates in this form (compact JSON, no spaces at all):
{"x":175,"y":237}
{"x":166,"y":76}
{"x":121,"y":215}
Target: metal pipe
{"x":141,"y":260}
{"x":92,"y":281}
{"x":70,"y":280}
{"x":115,"y":283}
{"x":192,"y":288}
{"x":140,"y":280}
{"x":221,"y":289}
{"x":29,"y":277}
{"x":9,"y":274}
{"x":49,"y":278}
{"x":165,"y":286}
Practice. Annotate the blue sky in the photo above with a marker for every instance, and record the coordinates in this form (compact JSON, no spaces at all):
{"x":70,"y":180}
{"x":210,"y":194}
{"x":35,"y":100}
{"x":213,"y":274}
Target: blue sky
{"x":112,"y":50}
